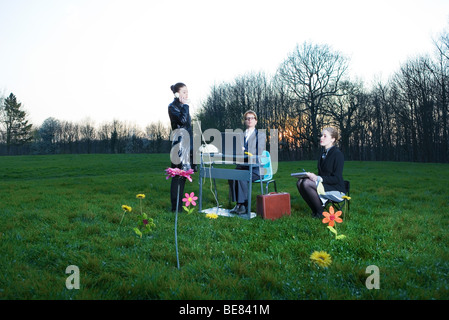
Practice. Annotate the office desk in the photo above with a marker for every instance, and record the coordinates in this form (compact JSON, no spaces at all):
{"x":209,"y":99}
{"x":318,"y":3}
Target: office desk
{"x":208,"y":169}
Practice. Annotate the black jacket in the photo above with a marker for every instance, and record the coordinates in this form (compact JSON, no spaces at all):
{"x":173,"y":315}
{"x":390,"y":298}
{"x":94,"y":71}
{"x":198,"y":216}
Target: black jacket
{"x":179,"y":115}
{"x":180,"y":119}
{"x":331,"y":170}
{"x":255,"y":145}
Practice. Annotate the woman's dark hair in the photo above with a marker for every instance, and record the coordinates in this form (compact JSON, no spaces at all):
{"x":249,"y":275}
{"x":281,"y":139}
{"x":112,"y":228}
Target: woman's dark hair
{"x":176,"y":87}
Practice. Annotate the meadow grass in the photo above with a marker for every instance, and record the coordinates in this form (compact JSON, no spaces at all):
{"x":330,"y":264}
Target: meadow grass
{"x":63,"y":210}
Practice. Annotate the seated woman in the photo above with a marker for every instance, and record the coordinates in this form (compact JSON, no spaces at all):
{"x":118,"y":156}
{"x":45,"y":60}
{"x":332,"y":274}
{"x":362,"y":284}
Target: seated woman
{"x":329,"y":183}
{"x":254,"y":144}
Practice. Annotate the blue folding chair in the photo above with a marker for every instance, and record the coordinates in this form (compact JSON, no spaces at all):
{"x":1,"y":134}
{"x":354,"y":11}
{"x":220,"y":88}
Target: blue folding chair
{"x":266,"y":169}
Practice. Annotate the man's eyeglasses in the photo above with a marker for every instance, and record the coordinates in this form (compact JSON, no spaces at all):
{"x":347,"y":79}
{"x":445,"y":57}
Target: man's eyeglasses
{"x":250,"y":118}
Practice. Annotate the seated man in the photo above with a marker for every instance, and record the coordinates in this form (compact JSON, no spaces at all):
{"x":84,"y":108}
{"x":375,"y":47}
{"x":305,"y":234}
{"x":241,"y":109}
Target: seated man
{"x":254,"y":144}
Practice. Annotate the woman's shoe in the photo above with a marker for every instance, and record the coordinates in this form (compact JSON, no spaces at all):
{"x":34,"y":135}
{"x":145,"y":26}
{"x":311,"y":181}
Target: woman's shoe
{"x":241,"y":209}
{"x":318,"y":215}
{"x":234,"y":210}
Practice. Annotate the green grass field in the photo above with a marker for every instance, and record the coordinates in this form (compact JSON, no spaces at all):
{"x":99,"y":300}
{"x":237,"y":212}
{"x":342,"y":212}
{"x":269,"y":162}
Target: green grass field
{"x":57,"y":211}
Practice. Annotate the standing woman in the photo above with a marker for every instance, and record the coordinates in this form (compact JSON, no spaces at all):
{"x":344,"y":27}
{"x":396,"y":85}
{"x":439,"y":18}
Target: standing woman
{"x":329,"y":183}
{"x":182,"y":144}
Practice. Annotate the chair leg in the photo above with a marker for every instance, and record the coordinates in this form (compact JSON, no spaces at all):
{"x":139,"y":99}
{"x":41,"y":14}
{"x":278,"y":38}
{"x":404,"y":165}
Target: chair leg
{"x":215,"y":189}
{"x":275,"y":188}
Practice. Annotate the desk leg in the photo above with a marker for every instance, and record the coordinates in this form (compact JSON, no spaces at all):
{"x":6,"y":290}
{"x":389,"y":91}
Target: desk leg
{"x":250,"y":184}
{"x":201,"y":191}
{"x":215,"y":191}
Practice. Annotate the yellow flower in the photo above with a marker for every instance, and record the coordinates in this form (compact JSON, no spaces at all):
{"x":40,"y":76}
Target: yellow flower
{"x":211,"y":216}
{"x":127,"y":208}
{"x":321,"y":258}
{"x":140,"y":196}
{"x":346,"y":197}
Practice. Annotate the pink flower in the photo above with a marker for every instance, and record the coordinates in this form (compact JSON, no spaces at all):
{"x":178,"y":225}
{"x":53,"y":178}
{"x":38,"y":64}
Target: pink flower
{"x":172,"y":172}
{"x":190,"y":199}
{"x":186,"y":174}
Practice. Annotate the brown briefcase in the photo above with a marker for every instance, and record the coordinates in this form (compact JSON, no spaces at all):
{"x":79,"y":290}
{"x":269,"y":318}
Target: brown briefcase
{"x":273,"y":205}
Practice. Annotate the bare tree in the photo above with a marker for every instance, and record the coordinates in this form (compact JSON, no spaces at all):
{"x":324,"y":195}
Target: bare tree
{"x":87,"y":132}
{"x":416,"y":86}
{"x":344,"y":110}
{"x":157,"y":133}
{"x":312,"y":73}
{"x":442,"y":79}
{"x":70,"y":134}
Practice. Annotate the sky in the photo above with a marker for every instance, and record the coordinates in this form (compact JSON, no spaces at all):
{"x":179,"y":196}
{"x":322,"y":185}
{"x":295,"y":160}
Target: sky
{"x":105,"y":60}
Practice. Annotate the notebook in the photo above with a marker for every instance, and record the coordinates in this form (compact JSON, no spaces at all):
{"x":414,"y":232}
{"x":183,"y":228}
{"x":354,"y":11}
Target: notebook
{"x":299,"y":175}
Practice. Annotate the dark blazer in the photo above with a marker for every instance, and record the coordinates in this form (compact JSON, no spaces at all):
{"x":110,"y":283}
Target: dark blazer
{"x":255,"y":145}
{"x":180,"y":119}
{"x":179,"y":115}
{"x":331,"y":170}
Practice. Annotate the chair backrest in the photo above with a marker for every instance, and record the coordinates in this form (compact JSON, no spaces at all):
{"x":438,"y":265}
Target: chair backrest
{"x":266,"y":168}
{"x":347,"y":185}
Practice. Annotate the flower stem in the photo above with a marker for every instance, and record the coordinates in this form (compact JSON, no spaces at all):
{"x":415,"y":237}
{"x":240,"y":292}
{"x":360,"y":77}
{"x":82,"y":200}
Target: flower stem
{"x":122,"y":217}
{"x":176,"y":228}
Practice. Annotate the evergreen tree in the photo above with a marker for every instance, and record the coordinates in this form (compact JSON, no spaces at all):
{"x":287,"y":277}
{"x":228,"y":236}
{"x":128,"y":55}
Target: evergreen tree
{"x":16,"y":127}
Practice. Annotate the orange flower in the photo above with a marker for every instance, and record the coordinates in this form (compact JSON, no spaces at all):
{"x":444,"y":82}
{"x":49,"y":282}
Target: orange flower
{"x":330,"y":217}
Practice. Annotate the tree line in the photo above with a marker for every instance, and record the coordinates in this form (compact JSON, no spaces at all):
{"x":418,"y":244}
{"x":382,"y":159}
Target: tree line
{"x":54,"y":136}
{"x":403,"y":119}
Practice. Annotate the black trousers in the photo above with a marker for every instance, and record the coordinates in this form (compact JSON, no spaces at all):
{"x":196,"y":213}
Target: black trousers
{"x":239,"y":188}
{"x":180,"y":182}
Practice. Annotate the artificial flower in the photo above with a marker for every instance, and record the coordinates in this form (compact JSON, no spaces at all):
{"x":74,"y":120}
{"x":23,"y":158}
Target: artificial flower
{"x":346,"y":197}
{"x":334,"y":231}
{"x":186,"y":174}
{"x":190,"y":199}
{"x":331,"y":217}
{"x":140,"y":196}
{"x":321,"y":258}
{"x":125,"y":210}
{"x":172,"y":172}
{"x":212,"y":216}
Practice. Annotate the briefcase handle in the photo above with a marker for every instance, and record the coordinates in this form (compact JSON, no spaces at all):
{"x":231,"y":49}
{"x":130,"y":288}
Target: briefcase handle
{"x":275,"y":188}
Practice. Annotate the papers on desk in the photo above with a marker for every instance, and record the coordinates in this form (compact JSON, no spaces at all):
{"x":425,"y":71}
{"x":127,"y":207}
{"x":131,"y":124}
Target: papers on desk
{"x":299,"y":175}
{"x":226,"y":213}
{"x":208,"y":148}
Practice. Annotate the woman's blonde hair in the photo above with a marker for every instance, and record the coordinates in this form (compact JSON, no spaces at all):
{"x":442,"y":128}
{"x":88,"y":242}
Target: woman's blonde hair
{"x":333,"y":132}
{"x":250,"y":112}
